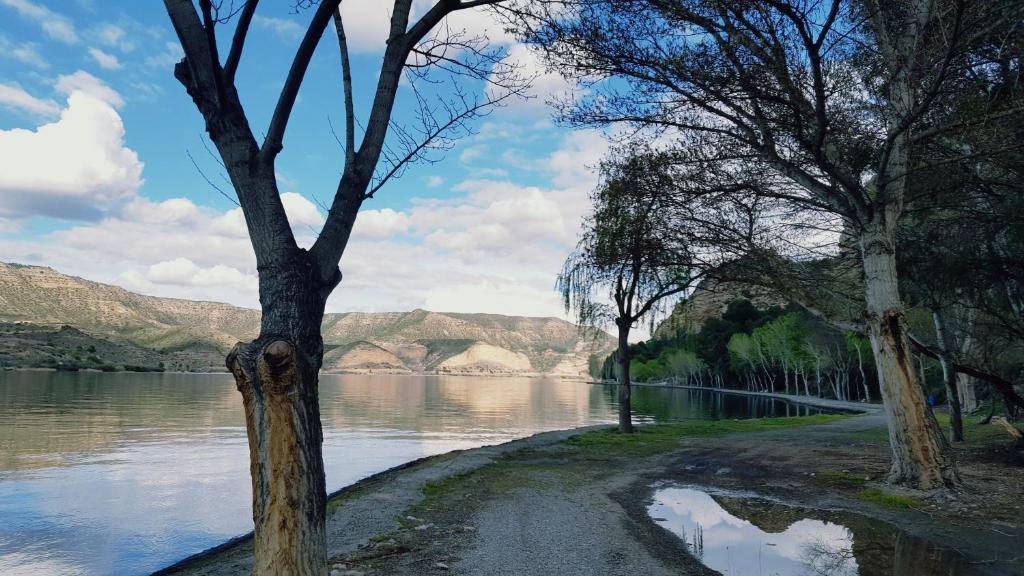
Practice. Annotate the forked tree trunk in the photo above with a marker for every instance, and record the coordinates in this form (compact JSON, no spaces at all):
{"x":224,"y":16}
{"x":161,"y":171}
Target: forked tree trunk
{"x":277,"y":375}
{"x":625,"y":409}
{"x":946,"y":360}
{"x":920,"y":455}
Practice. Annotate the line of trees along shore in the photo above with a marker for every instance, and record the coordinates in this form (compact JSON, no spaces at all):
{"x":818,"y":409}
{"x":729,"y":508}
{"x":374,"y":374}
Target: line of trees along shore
{"x":771,"y":350}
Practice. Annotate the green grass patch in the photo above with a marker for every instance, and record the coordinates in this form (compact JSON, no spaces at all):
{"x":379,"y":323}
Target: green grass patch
{"x":840,"y":479}
{"x":975,"y":434}
{"x":888,"y":500}
{"x":502,"y":476}
{"x":660,"y":437}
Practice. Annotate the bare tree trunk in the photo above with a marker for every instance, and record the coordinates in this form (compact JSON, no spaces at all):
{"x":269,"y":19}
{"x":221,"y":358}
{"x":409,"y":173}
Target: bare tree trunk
{"x":965,"y":383}
{"x":625,"y":414}
{"x":946,"y":359}
{"x":277,"y":375}
{"x":863,"y":376}
{"x":920,"y":455}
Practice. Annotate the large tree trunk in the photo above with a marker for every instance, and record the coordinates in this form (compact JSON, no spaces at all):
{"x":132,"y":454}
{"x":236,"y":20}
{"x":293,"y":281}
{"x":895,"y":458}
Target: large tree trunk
{"x":277,"y":375}
{"x":625,"y":409}
{"x":920,"y":455}
{"x":946,"y":359}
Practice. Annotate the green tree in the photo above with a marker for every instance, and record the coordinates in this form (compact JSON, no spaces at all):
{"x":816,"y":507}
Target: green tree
{"x":631,"y":255}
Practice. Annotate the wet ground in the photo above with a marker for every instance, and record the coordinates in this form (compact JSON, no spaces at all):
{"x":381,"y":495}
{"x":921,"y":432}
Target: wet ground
{"x":741,"y":534}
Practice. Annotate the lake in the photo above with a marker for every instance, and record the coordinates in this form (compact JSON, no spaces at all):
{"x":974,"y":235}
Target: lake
{"x":124,"y":473}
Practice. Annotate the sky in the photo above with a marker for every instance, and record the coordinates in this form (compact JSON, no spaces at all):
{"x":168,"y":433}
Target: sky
{"x":105,"y":171}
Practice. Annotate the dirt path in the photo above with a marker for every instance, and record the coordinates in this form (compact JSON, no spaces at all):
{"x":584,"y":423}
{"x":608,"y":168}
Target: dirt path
{"x":555,"y":505}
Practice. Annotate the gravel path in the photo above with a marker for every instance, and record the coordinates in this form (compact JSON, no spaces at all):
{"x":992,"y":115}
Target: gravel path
{"x":369,"y":507}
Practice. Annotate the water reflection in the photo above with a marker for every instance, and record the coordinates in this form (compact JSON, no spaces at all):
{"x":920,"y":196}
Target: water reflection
{"x":125,"y":473}
{"x":750,"y":537}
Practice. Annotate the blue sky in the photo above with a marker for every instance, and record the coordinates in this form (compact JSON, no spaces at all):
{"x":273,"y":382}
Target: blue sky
{"x":96,"y":179}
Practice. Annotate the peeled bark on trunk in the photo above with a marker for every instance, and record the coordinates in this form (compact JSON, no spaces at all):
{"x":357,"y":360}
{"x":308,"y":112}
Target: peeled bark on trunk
{"x":921,"y":457}
{"x":946,"y":360}
{"x":277,"y":375}
{"x":625,"y":409}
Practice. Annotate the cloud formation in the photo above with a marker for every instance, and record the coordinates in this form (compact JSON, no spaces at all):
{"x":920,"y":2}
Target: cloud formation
{"x":54,"y":25}
{"x":76,"y":167}
{"x":14,"y":97}
{"x":106,"y":61}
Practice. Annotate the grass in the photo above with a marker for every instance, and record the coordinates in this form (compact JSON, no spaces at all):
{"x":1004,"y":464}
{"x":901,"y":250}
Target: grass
{"x":975,"y":434}
{"x":502,"y":476}
{"x":648,"y":440}
{"x":881,"y":498}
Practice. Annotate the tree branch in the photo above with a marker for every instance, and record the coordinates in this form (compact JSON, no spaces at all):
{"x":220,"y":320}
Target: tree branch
{"x":238,"y":41}
{"x":1004,"y":386}
{"x":346,"y":80}
{"x":272,"y":144}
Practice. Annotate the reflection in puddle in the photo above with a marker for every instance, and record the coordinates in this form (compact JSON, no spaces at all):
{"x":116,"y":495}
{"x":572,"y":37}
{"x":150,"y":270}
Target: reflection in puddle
{"x":756,"y":537}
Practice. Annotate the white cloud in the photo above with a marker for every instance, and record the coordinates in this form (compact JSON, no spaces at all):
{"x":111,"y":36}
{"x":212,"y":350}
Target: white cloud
{"x":471,"y":153}
{"x":14,"y":97}
{"x":545,"y":86}
{"x":106,"y":61}
{"x":24,"y":52}
{"x":434,"y":181}
{"x":480,"y":22}
{"x":76,"y":167}
{"x":166,"y":58}
{"x":171,"y":211}
{"x":86,"y":83}
{"x":575,"y":162}
{"x":367,"y":23}
{"x":112,"y":35}
{"x":381,"y":223}
{"x":490,"y":245}
{"x":301,"y":212}
{"x":54,"y":25}
{"x":169,"y":248}
{"x":288,"y":29}
{"x":184,"y":272}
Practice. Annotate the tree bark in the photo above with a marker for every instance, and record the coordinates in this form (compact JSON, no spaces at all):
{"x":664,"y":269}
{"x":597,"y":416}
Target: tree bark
{"x":946,"y":360}
{"x":921,"y":457}
{"x":625,"y":409}
{"x":277,"y":375}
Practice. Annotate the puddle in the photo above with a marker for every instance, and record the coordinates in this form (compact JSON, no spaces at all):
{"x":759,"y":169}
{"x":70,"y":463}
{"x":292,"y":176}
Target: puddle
{"x":739,"y":535}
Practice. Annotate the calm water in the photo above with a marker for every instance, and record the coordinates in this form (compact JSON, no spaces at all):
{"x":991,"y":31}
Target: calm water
{"x":743,"y":536}
{"x":126,"y":473}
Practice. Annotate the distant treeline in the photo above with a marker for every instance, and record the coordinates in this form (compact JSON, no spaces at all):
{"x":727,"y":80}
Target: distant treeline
{"x":773,"y":350}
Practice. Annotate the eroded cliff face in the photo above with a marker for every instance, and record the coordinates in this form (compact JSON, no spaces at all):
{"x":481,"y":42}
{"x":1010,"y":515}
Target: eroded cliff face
{"x":710,"y":300}
{"x":419,"y":341}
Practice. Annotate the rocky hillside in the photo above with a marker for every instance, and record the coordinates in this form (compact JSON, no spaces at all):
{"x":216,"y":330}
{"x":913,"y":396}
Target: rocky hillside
{"x":709,"y":300}
{"x":194,"y":335}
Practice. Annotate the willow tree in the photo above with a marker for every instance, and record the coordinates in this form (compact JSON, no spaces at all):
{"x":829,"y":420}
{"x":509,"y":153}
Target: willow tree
{"x":277,"y":373}
{"x":835,"y":97}
{"x":632,"y":258}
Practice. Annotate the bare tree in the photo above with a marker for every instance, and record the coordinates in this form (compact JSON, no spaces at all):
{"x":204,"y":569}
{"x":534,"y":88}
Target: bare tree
{"x":277,"y":373}
{"x":834,"y":97}
{"x":631,"y":254}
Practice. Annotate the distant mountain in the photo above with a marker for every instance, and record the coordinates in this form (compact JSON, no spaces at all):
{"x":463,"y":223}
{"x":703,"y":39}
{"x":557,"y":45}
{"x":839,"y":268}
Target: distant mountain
{"x":146,"y":331}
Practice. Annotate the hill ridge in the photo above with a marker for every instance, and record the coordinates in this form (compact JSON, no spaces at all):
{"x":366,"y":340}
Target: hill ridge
{"x":417,"y":341}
